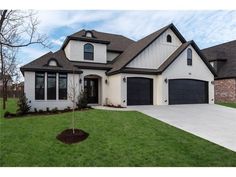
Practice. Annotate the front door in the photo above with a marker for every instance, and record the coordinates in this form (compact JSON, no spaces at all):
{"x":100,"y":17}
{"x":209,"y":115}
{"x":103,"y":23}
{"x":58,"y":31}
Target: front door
{"x":91,"y":89}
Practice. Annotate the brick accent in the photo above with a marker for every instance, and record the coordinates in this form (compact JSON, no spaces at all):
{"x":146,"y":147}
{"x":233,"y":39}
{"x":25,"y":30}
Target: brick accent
{"x":225,"y":90}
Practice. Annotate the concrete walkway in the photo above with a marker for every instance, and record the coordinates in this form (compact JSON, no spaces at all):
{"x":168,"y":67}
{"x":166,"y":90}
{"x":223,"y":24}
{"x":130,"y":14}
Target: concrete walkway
{"x":110,"y":108}
{"x":212,"y":122}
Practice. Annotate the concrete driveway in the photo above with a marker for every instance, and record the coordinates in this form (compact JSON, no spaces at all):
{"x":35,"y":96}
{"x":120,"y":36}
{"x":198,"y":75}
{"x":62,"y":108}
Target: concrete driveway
{"x":212,"y":122}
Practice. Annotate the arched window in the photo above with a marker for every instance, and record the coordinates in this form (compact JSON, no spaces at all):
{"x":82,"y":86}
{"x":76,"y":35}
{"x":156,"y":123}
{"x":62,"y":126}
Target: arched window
{"x":88,"y":51}
{"x":169,"y":38}
{"x":88,"y":34}
{"x":52,"y":63}
{"x":189,"y":57}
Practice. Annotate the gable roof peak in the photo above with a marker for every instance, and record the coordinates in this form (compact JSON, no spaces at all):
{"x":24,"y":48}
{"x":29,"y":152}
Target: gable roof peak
{"x":137,"y":47}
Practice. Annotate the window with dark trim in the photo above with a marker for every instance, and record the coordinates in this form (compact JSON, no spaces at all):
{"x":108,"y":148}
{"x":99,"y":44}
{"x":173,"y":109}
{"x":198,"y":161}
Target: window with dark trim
{"x":62,"y":86}
{"x":39,"y":86}
{"x":189,"y":57}
{"x":169,"y":38}
{"x":88,"y":52}
{"x":51,"y":86}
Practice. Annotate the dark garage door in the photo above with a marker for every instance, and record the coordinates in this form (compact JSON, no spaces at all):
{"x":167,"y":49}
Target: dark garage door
{"x":139,"y":91}
{"x":187,"y":91}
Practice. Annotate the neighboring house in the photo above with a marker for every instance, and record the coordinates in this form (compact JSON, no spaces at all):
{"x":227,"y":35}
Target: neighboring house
{"x":159,"y":69}
{"x":9,"y":80}
{"x":16,"y":90}
{"x":223,"y":58}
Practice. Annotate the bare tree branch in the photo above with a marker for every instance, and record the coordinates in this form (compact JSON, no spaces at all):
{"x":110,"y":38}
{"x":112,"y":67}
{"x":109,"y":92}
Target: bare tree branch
{"x":17,"y":29}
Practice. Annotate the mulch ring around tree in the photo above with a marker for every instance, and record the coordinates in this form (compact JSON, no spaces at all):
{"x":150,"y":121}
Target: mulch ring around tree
{"x":68,"y":137}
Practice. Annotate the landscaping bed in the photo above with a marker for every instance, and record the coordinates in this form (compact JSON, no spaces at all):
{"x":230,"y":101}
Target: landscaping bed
{"x":70,"y":136}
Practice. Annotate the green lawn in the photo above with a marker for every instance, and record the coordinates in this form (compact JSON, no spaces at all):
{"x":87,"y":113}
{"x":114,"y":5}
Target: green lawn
{"x":11,"y":106}
{"x":116,"y":139}
{"x":232,"y":105}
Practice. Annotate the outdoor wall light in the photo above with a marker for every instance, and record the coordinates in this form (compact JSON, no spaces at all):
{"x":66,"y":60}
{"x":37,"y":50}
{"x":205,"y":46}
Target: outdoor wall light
{"x":106,"y":81}
{"x":166,"y":80}
{"x":80,"y":81}
{"x":124,"y":79}
{"x":212,"y":82}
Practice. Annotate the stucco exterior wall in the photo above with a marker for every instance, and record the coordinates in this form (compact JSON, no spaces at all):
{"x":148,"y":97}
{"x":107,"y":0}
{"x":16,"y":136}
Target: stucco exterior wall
{"x":225,"y":90}
{"x":29,"y":89}
{"x":118,"y":88}
{"x":180,"y":70}
{"x":155,"y":54}
{"x":75,"y":51}
{"x":114,"y":90}
{"x":103,"y":87}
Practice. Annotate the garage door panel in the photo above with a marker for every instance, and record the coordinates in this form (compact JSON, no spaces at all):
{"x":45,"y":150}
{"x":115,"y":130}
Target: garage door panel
{"x":139,"y":91}
{"x":187,"y":91}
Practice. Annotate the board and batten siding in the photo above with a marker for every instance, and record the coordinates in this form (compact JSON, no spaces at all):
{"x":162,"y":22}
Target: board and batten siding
{"x":74,"y":51}
{"x":157,"y":52}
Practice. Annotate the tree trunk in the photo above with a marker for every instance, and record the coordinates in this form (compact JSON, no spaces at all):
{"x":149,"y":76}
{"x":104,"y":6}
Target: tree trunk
{"x":3,"y":79}
{"x":3,"y":97}
{"x":6,"y":90}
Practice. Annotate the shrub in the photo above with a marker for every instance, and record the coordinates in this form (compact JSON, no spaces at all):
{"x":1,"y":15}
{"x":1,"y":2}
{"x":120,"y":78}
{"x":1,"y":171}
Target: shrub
{"x":35,"y":110}
{"x":54,"y":110}
{"x":67,"y":109}
{"x":40,"y":111}
{"x":82,"y":100}
{"x":23,"y":105}
{"x":47,"y":109}
{"x":7,"y":114}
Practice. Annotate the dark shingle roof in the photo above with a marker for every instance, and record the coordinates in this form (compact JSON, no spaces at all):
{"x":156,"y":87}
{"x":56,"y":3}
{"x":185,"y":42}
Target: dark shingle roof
{"x":172,"y":57}
{"x":224,"y":52}
{"x":41,"y":64}
{"x":91,"y":65}
{"x":136,"y":48}
{"x":115,"y":42}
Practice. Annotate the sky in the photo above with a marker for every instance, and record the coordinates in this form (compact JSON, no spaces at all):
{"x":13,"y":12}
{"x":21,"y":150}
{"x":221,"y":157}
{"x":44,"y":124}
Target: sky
{"x":206,"y":28}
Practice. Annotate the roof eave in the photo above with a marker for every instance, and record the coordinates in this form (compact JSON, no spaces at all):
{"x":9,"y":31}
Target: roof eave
{"x":45,"y":70}
{"x":68,"y":38}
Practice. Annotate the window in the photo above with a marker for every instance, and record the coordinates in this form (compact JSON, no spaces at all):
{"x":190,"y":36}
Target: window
{"x":88,"y":52}
{"x":39,"y":86}
{"x":189,"y":57}
{"x":169,"y":38}
{"x":62,"y":86}
{"x":88,"y":34}
{"x":51,"y":86}
{"x":52,"y":63}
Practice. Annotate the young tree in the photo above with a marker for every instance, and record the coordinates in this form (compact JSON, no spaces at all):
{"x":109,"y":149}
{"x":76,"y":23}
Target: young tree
{"x":17,"y":29}
{"x":72,"y":94}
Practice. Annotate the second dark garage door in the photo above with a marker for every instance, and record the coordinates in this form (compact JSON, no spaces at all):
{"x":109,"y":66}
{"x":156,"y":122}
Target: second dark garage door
{"x":139,"y":91}
{"x":188,"y":91}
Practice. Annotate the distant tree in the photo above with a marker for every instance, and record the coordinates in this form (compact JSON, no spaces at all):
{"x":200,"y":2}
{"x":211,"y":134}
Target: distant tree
{"x":17,"y":29}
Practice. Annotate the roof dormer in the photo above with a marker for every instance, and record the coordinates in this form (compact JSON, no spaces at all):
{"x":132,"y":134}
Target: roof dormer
{"x":88,"y":34}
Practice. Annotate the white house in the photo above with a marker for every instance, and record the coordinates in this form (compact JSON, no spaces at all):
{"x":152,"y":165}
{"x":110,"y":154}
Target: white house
{"x":159,"y":69}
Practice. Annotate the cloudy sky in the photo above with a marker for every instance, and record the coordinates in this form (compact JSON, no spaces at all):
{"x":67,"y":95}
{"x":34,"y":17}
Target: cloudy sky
{"x":206,"y":28}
